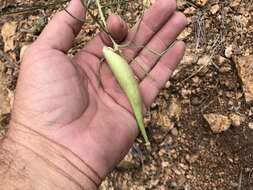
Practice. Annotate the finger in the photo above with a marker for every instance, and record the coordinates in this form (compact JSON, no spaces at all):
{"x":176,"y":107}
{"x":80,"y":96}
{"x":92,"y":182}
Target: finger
{"x":159,"y":43}
{"x":62,"y":29}
{"x":118,"y":30}
{"x":160,"y":74}
{"x":153,"y":20}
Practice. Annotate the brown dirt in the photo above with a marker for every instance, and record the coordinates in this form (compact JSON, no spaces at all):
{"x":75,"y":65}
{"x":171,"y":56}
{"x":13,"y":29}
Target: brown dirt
{"x":184,"y":152}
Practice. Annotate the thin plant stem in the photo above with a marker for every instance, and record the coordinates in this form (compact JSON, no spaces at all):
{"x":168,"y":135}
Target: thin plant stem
{"x":115,"y":45}
{"x":80,"y":20}
{"x":101,"y":13}
{"x":94,"y":18}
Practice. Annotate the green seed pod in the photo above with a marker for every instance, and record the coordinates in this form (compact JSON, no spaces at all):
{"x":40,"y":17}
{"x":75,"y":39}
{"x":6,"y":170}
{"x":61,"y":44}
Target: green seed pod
{"x":125,"y":77}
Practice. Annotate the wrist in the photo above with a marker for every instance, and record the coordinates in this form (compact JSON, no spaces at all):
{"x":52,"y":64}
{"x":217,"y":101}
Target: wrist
{"x":48,"y":164}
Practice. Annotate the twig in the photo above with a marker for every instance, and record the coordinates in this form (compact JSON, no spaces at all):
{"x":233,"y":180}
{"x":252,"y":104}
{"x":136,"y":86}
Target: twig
{"x":240,"y":181}
{"x":195,"y":73}
{"x":101,"y":13}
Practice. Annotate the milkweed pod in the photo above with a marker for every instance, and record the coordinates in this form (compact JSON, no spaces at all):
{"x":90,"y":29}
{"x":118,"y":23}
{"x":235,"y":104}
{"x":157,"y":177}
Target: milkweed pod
{"x":126,"y":79}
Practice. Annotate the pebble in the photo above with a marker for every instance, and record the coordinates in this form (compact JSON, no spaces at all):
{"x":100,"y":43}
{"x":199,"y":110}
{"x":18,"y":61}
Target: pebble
{"x":204,"y":60}
{"x":236,"y":119}
{"x":223,"y":64}
{"x":167,"y":85}
{"x":187,"y":32}
{"x":174,"y":132}
{"x":215,"y":9}
{"x":251,"y":125}
{"x":153,"y":106}
{"x":229,"y":51}
{"x":202,"y":2}
{"x":175,"y":109}
{"x":173,"y":184}
{"x":245,"y":70}
{"x":217,"y":122}
{"x":235,"y":3}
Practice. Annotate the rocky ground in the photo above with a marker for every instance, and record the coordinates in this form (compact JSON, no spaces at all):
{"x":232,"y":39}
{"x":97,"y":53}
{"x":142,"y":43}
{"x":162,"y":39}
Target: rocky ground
{"x":201,"y":125}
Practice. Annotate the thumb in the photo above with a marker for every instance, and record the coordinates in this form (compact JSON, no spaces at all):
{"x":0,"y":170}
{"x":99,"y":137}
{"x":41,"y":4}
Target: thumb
{"x":63,"y":28}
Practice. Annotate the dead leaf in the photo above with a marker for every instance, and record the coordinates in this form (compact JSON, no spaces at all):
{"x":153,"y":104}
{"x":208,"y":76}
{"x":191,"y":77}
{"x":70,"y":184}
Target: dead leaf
{"x":8,"y":32}
{"x":5,"y":106}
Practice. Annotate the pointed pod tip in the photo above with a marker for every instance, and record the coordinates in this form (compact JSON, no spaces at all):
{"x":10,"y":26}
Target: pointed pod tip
{"x":107,"y":49}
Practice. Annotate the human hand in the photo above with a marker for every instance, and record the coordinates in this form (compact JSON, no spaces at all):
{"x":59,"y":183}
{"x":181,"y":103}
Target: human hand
{"x":62,"y":98}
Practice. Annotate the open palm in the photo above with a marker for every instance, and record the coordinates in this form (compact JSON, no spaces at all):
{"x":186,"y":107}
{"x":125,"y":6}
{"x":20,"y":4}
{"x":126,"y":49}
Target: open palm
{"x":78,"y":105}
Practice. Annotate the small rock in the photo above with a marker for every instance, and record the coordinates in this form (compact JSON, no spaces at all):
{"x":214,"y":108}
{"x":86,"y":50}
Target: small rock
{"x":165,"y":121}
{"x":185,"y":92}
{"x":235,"y":3}
{"x":204,"y":60}
{"x":229,"y":51}
{"x":251,"y":125}
{"x":189,"y":58}
{"x":217,"y":122}
{"x":167,"y":85}
{"x":221,"y":61}
{"x":236,"y":119}
{"x":175,"y":109}
{"x":187,"y":32}
{"x":223,"y":64}
{"x":173,"y":184}
{"x":215,"y":9}
{"x":165,"y":164}
{"x":196,"y":80}
{"x":202,"y":2}
{"x":174,"y":132}
{"x":8,"y":33}
{"x":153,"y":106}
{"x":245,"y":68}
